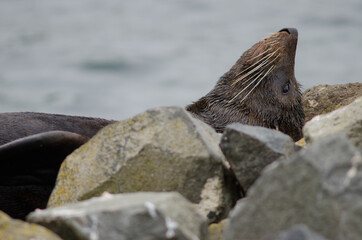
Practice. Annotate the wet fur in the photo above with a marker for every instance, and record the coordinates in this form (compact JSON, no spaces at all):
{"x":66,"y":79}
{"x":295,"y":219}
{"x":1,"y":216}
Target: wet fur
{"x":265,"y":106}
{"x":22,"y":124}
{"x":31,"y":152}
{"x":32,"y":148}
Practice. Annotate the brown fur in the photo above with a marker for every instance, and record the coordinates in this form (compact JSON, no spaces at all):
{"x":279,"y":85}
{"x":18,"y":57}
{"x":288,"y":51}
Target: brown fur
{"x":266,"y":105}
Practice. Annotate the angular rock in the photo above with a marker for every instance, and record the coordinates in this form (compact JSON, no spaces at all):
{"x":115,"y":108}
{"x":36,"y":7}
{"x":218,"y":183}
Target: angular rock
{"x":319,"y":187}
{"x":17,"y":229}
{"x":347,"y":120}
{"x":323,"y":99}
{"x":299,"y":232}
{"x":249,"y":149}
{"x":164,"y":149}
{"x":127,"y":216}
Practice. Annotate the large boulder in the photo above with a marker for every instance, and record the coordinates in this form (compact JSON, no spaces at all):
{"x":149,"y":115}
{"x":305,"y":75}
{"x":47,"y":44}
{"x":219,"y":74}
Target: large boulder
{"x":128,"y":216}
{"x":249,"y":149}
{"x":319,"y":187}
{"x":323,"y":99}
{"x":346,"y":120}
{"x":11,"y":229}
{"x":164,"y":149}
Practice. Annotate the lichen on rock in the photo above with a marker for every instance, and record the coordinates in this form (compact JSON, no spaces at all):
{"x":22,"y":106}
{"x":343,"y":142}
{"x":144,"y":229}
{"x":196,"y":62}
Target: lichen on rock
{"x":346,"y":120}
{"x":163,"y":149}
{"x":14,"y":229}
{"x":323,"y":99}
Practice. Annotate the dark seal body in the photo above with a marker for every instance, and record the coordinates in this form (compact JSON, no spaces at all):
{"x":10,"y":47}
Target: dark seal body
{"x":260,"y":89}
{"x":22,"y":124}
{"x":32,"y":148}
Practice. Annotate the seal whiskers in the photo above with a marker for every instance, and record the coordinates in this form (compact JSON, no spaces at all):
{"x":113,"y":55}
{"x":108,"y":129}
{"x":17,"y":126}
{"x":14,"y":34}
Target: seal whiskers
{"x":254,"y":67}
{"x":259,"y":89}
{"x":262,"y":66}
{"x":269,"y":70}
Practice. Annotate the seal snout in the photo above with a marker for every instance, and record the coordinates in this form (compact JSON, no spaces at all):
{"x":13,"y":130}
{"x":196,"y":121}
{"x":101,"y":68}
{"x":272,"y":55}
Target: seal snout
{"x":292,"y":31}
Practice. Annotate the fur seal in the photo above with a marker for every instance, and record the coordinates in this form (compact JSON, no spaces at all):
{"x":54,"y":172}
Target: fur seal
{"x":260,"y":89}
{"x":17,"y":125}
{"x":29,"y":167}
{"x":32,"y":148}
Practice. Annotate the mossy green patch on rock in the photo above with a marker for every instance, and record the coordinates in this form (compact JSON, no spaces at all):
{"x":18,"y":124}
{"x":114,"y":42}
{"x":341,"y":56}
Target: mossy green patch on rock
{"x":163,"y":149}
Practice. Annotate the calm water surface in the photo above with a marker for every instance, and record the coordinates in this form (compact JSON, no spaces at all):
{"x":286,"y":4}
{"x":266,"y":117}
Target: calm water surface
{"x":114,"y":59}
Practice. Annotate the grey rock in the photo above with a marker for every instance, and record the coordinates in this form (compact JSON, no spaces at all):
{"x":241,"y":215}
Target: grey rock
{"x":249,"y":149}
{"x":320,"y":186}
{"x":346,"y":120}
{"x":323,"y":99}
{"x":299,"y":232}
{"x":126,"y":217}
{"x":163,"y":149}
{"x":14,"y":229}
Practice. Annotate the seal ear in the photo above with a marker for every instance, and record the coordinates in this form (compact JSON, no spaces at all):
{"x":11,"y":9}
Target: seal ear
{"x":29,"y":167}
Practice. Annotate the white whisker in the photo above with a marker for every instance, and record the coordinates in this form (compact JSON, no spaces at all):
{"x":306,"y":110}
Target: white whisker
{"x":270,"y":69}
{"x":255,"y":79}
{"x":260,"y":54}
{"x":262,"y":64}
{"x":274,"y":43}
{"x":248,"y":68}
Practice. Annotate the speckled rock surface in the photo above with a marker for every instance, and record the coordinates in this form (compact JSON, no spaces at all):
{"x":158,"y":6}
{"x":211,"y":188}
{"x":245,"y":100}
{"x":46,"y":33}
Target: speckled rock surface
{"x":299,"y":232}
{"x":216,"y":230}
{"x":151,"y":216}
{"x":163,"y":149}
{"x":319,"y":187}
{"x":12,"y":229}
{"x":249,"y":149}
{"x":347,"y":120}
{"x":323,"y":99}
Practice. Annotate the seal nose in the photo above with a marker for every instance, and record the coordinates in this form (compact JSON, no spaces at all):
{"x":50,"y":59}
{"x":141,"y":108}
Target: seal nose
{"x":292,"y":31}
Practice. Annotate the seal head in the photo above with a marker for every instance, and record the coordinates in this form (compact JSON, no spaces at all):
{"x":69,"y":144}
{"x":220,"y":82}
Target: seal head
{"x":260,"y":89}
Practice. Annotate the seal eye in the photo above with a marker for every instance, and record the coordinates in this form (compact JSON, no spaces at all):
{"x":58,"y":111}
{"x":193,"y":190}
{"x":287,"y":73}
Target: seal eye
{"x":286,"y":88}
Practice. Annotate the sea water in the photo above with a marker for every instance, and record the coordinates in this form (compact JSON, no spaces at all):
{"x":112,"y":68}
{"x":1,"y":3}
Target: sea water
{"x":114,"y":59}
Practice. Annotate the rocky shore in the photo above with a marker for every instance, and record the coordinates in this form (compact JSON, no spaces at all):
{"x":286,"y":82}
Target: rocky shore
{"x":166,"y":175}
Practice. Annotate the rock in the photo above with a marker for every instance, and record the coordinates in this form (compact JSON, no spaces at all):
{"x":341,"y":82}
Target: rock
{"x":299,"y":232}
{"x":216,"y":230}
{"x":164,"y":149}
{"x":128,"y":216}
{"x":319,"y":186}
{"x":347,"y":120}
{"x":17,"y":229}
{"x":326,"y":98}
{"x":249,"y":149}
{"x":301,"y":143}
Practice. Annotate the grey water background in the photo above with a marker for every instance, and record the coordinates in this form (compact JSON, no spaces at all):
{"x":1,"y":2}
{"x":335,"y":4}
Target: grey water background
{"x":113,"y":59}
